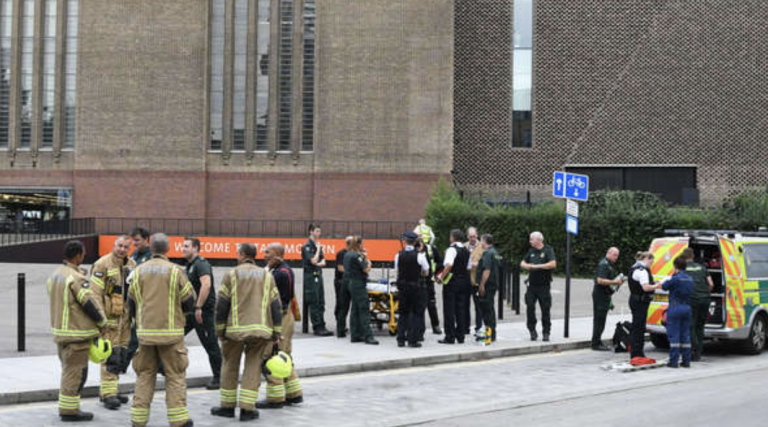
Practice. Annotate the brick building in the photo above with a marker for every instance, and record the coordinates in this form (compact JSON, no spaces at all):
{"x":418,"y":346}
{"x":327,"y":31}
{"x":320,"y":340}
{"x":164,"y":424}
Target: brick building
{"x":352,"y":110}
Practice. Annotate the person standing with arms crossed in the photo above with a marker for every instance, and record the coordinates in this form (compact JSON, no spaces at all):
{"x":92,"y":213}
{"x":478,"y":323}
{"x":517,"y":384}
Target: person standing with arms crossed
{"x":539,"y":261}
{"x":313,"y":262}
{"x":202,"y":320}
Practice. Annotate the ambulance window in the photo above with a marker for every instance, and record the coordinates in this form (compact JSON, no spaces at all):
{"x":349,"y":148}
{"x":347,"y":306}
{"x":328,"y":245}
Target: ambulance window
{"x":756,"y":261}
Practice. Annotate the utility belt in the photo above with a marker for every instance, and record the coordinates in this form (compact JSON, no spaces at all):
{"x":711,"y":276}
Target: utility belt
{"x":317,"y":273}
{"x":644,"y":298}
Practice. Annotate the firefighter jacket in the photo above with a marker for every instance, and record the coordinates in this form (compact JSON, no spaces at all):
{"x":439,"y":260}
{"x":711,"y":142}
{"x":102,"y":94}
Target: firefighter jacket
{"x":108,"y":280}
{"x":76,"y":312}
{"x":158,"y":297}
{"x":248,"y":304}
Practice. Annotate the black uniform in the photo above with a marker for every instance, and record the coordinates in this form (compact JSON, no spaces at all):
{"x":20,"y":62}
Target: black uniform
{"x":206,"y":331}
{"x":456,"y":295}
{"x":343,"y":298}
{"x":601,"y":300}
{"x":435,"y":261}
{"x":409,"y":287}
{"x":700,"y":301}
{"x":539,"y":289}
{"x":489,"y":262}
{"x":639,"y":300}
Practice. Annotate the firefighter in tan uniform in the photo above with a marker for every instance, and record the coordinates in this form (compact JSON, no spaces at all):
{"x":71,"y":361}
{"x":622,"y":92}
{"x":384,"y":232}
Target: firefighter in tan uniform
{"x":158,"y":298}
{"x":108,"y":277}
{"x":248,"y":320}
{"x":281,"y":392}
{"x":76,"y":317}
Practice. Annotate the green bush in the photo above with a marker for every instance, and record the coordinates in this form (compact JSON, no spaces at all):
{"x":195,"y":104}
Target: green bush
{"x":625,"y":219}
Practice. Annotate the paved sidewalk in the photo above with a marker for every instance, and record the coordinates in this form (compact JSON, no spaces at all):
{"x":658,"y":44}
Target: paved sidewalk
{"x":33,"y":379}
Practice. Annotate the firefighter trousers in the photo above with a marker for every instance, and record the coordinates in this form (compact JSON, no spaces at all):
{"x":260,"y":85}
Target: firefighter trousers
{"x":74,"y":372}
{"x":278,"y":389}
{"x":175,"y":361}
{"x":256,"y":351}
{"x":109,"y":381}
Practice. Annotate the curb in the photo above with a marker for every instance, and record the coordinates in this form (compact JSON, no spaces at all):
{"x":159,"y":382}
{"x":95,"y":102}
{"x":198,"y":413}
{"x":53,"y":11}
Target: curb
{"x":350,"y":368}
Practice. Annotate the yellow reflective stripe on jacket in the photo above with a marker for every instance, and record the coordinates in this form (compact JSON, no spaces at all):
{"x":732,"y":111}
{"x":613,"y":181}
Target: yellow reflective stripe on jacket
{"x":98,"y":282}
{"x":139,"y":301}
{"x":160,"y":332}
{"x":234,"y":312}
{"x":113,"y":272}
{"x":65,"y":314}
{"x":48,"y":285}
{"x":172,"y":298}
{"x":265,"y":298}
{"x":185,"y":290}
{"x":250,"y":328}
{"x":82,"y":295}
{"x":74,"y":333}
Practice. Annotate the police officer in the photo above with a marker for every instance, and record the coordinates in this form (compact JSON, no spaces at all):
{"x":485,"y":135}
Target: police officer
{"x":140,"y":255}
{"x":410,"y":266}
{"x":457,"y":289}
{"x":313,"y":262}
{"x":248,"y":320}
{"x":281,"y":392}
{"x":641,"y":288}
{"x":108,"y":280}
{"x":160,"y":294}
{"x":76,"y":317}
{"x":202,"y":320}
{"x":539,"y":261}
{"x":342,"y":292}
{"x":425,"y":232}
{"x":680,"y":287}
{"x":435,"y":260}
{"x":476,"y":253}
{"x":700,"y":300}
{"x":356,"y":269}
{"x":487,"y":279}
{"x":601,"y":296}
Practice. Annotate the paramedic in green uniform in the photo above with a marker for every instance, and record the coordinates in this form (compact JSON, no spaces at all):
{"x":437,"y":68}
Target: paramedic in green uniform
{"x":488,"y":282}
{"x":702,"y":287}
{"x":601,"y":296}
{"x":313,"y":261}
{"x":539,"y":261}
{"x":356,"y":269}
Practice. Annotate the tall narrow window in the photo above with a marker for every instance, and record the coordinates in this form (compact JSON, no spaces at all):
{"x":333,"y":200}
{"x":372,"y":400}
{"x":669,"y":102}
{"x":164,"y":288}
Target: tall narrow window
{"x":70,"y":69}
{"x":27,"y":52}
{"x":241,"y":53}
{"x":217,"y":75}
{"x":49,"y":72}
{"x":6,"y":26}
{"x":285,"y":81}
{"x":308,"y":74}
{"x":522,"y":67}
{"x":262,"y":78}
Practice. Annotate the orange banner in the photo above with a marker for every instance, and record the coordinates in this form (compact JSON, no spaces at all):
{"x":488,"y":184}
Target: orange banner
{"x":226,"y":247}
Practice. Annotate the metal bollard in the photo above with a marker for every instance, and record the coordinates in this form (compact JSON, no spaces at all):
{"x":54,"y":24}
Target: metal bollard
{"x":21,"y":315}
{"x":516,"y":288}
{"x":502,"y":289}
{"x":304,"y":315}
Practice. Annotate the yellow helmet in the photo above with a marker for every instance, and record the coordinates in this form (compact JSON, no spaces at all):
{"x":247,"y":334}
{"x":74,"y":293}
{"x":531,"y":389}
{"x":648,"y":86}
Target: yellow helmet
{"x":100,"y":350}
{"x":280,"y":365}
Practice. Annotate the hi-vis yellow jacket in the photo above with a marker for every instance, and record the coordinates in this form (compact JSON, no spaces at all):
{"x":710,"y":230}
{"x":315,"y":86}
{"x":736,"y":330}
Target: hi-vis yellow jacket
{"x":108,"y":276}
{"x":158,"y":297}
{"x":76,"y":313}
{"x":248,"y":304}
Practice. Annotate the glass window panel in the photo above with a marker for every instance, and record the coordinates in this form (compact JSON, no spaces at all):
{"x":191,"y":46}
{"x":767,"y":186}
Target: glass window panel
{"x":522,"y":73}
{"x":523,"y":25}
{"x":72,"y":26}
{"x":217,"y":75}
{"x":523,"y":61}
{"x":239,"y":103}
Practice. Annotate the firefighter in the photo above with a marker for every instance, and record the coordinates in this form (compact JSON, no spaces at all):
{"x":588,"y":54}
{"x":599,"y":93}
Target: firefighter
{"x":410,"y":266}
{"x":76,"y":317}
{"x":160,"y":294}
{"x":681,"y":288}
{"x":281,"y":392}
{"x":108,"y":280}
{"x":248,"y":320}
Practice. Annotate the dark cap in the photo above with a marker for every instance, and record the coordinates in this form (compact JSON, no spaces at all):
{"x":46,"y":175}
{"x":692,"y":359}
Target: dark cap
{"x":410,"y":235}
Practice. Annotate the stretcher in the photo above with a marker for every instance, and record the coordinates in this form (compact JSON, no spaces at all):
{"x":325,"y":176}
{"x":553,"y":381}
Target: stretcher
{"x":383,"y":305}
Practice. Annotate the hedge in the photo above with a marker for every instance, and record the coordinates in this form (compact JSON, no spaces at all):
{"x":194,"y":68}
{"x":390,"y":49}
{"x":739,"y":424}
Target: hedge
{"x":625,"y":219}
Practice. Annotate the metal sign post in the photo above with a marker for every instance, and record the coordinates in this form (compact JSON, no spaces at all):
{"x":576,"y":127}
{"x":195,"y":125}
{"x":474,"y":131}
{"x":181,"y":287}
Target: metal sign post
{"x":572,"y":187}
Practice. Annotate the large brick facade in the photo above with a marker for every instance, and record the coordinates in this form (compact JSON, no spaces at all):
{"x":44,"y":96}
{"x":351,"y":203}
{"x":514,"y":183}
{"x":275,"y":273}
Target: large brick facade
{"x":619,"y":83}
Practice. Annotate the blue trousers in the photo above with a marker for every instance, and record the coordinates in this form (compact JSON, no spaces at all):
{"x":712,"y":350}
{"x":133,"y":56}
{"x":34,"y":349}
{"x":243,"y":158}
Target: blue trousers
{"x":679,"y":333}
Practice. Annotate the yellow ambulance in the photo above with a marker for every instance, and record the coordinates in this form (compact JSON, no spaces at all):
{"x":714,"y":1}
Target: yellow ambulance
{"x":737,"y":262}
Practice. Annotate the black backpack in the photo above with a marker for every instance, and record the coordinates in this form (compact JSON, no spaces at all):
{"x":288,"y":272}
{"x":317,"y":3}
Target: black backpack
{"x":622,"y":341}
